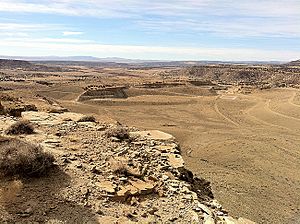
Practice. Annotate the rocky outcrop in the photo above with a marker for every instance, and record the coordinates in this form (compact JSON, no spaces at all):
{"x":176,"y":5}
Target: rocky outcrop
{"x":138,"y":179}
{"x":13,"y":106}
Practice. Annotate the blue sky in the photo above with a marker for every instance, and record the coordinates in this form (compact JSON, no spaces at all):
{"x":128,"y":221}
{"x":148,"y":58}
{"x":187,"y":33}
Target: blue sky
{"x":141,"y":29}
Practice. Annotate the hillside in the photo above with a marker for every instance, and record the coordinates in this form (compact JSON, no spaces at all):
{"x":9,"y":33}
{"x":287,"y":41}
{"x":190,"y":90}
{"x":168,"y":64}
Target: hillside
{"x":12,"y":64}
{"x":107,"y":173}
{"x":262,"y":76}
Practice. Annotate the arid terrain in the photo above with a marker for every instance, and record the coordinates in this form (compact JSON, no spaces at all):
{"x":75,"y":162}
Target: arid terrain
{"x":238,"y":126}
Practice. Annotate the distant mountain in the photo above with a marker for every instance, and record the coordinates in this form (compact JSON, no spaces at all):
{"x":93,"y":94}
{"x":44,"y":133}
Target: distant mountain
{"x":51,"y":58}
{"x":79,"y":58}
{"x":135,"y":62}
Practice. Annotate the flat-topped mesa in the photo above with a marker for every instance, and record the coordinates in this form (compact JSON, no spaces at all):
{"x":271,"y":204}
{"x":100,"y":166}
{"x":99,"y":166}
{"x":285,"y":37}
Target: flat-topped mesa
{"x":11,"y":64}
{"x":103,"y":93}
{"x":294,"y":63}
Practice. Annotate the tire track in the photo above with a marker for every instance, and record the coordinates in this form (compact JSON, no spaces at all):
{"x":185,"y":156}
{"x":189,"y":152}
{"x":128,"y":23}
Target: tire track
{"x":267,"y":106}
{"x":258,"y":105}
{"x":224,"y":116}
{"x":290,"y":101}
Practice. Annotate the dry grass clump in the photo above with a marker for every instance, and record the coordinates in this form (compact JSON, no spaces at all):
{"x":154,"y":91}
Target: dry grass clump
{"x":7,"y":97}
{"x":30,"y":107}
{"x":119,"y":132}
{"x":87,"y":118}
{"x":2,"y":109}
{"x":57,"y":110}
{"x":23,"y":159}
{"x":20,"y":127}
{"x":121,"y":167}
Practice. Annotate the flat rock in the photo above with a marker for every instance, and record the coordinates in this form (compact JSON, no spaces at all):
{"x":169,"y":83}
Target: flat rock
{"x":176,"y":160}
{"x":245,"y":221}
{"x":205,"y":209}
{"x":128,"y":190}
{"x":107,"y":186}
{"x":209,"y":220}
{"x":230,"y":220}
{"x":153,"y":134}
{"x":48,"y":119}
{"x":111,"y":219}
{"x":166,"y":148}
{"x":144,"y":187}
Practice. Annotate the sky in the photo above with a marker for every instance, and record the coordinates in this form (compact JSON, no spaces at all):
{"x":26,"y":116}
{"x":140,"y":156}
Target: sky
{"x":239,"y":30}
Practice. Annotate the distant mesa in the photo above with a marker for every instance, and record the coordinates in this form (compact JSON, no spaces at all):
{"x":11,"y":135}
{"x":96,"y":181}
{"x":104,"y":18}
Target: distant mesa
{"x":24,"y":65}
{"x":295,"y":63}
{"x":8,"y":64}
{"x":120,"y":62}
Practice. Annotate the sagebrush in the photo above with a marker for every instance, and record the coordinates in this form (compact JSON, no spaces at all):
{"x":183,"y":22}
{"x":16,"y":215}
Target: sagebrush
{"x":87,"y":118}
{"x":119,"y":132}
{"x":23,"y":159}
{"x":20,"y":127}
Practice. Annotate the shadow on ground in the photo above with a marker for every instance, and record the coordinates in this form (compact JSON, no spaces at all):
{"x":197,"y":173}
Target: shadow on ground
{"x":39,"y":200}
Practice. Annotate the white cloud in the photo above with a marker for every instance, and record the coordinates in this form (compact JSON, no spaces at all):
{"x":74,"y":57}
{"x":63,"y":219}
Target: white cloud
{"x":240,"y":18}
{"x":28,"y":27}
{"x":71,"y":33}
{"x":120,"y":8}
{"x":48,"y":40}
{"x":14,"y":34}
{"x":67,"y":47}
{"x":236,"y":27}
{"x":20,"y":26}
{"x":13,"y":29}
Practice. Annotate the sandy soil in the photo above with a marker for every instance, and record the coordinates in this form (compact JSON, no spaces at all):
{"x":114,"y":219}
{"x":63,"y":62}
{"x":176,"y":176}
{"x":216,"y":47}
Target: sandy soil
{"x":246,"y":145}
